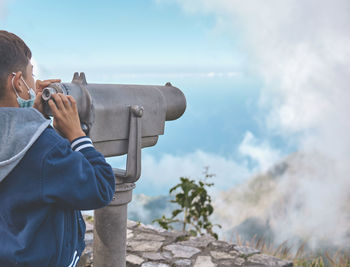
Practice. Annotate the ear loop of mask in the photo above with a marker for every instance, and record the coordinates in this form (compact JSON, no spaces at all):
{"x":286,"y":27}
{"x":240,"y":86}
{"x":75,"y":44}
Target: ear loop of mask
{"x":13,"y":86}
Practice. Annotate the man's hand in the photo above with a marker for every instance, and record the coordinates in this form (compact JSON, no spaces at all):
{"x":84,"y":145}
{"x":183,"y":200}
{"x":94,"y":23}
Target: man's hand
{"x":66,"y":118}
{"x":39,"y":86}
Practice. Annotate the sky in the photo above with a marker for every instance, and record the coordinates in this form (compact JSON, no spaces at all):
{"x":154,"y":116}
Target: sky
{"x":262,"y":79}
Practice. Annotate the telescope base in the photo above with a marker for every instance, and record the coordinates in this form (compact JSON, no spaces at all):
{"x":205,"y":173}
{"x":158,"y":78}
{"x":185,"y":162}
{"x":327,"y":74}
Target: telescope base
{"x":110,"y":224}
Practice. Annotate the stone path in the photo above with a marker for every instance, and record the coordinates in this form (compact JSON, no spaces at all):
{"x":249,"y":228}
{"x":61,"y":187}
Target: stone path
{"x":150,"y":247}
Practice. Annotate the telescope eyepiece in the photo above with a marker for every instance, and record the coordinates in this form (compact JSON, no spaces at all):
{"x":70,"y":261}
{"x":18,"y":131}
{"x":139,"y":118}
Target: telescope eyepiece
{"x":47,"y":93}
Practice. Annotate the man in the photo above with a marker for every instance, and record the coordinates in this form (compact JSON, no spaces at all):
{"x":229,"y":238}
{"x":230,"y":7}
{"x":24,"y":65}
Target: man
{"x":45,"y":179}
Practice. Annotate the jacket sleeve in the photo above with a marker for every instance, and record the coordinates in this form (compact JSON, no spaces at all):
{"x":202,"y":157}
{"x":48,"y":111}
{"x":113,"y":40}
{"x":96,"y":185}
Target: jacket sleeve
{"x":77,"y":176}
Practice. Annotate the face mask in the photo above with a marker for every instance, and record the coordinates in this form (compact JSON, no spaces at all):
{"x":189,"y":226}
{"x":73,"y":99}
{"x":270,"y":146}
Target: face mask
{"x":22,"y":102}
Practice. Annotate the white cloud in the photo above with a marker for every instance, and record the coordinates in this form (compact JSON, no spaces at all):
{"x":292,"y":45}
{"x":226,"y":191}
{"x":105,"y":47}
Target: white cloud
{"x":260,"y":152}
{"x":36,"y":69}
{"x":301,"y":49}
{"x":163,"y":173}
{"x":169,"y":168}
{"x":3,"y":8}
{"x":170,"y":75}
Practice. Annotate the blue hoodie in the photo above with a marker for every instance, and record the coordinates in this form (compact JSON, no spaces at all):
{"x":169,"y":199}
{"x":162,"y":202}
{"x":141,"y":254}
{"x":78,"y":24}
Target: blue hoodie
{"x":44,"y":183}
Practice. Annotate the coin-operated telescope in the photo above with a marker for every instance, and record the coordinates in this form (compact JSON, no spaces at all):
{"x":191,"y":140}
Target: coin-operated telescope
{"x":119,"y":119}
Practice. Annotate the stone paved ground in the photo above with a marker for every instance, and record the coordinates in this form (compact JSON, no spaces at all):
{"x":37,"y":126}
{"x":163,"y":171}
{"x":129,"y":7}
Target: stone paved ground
{"x":150,"y":247}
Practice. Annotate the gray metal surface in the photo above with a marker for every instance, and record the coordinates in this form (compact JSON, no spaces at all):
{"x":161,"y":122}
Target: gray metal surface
{"x":106,"y":106}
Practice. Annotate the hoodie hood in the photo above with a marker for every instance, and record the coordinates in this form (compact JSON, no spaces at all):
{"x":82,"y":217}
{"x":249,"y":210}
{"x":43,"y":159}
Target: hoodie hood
{"x":19,"y":129}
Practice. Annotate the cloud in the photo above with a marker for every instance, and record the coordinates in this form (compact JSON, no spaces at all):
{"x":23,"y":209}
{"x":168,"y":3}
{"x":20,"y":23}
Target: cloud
{"x":36,"y":69}
{"x":301,"y":50}
{"x":3,"y":8}
{"x":260,"y":152}
{"x":168,"y":75}
{"x":160,"y":174}
{"x":166,"y":172}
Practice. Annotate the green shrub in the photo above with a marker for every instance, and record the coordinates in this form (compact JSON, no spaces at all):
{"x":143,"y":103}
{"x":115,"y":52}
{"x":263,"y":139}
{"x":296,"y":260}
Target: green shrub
{"x":194,"y":205}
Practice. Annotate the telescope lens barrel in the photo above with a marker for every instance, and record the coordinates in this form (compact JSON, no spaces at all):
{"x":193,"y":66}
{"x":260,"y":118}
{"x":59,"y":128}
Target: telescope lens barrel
{"x":47,"y":93}
{"x":52,"y":89}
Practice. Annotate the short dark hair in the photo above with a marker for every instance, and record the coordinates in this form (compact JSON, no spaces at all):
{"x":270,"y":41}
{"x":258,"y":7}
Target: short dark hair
{"x":14,"y":56}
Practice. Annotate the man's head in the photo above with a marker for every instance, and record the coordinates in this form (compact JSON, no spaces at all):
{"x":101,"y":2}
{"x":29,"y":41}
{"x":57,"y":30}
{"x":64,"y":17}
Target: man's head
{"x":14,"y":58}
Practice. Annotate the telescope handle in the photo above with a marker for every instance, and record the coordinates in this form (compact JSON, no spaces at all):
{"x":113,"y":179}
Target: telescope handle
{"x":133,"y":162}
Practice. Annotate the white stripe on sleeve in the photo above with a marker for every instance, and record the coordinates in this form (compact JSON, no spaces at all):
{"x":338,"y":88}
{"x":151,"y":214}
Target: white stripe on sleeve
{"x":83,"y":146}
{"x":85,"y":139}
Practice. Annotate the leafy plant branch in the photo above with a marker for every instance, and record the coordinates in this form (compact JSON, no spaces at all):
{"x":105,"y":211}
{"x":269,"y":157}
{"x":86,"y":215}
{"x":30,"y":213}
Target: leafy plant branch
{"x":194,"y":204}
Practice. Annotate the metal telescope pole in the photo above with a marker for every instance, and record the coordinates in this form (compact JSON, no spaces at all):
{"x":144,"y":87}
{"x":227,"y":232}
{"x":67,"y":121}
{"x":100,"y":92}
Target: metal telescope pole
{"x":110,"y":229}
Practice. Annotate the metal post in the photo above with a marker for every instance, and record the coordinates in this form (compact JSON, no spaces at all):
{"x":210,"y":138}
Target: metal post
{"x":110,"y":228}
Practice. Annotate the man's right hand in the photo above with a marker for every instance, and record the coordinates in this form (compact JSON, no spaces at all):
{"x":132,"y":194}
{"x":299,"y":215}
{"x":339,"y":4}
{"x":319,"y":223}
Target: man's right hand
{"x":66,"y":117}
{"x":39,"y":86}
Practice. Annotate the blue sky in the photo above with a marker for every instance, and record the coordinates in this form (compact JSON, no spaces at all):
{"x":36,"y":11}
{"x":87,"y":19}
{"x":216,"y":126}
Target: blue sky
{"x":153,"y":42}
{"x":120,"y":33}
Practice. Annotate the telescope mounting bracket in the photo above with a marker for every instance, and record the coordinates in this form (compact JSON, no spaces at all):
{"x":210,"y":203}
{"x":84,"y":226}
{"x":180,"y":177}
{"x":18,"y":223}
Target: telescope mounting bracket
{"x":133,"y":162}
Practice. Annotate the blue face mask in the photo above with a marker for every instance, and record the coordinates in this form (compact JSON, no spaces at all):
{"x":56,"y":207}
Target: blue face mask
{"x":22,"y":102}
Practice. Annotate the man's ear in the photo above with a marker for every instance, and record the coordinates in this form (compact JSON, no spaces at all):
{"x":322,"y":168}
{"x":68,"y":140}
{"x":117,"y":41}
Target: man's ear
{"x":16,"y":77}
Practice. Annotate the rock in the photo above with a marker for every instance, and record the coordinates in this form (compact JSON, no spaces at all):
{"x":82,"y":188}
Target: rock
{"x":147,"y":247}
{"x":146,"y":236}
{"x":86,"y":257}
{"x":174,"y":234}
{"x":183,"y":263}
{"x":245,"y":251}
{"x":199,"y":242}
{"x":154,"y":264}
{"x":144,"y":245}
{"x":155,"y":256}
{"x":224,"y":263}
{"x":238,"y":261}
{"x":89,"y":239}
{"x":221,"y":245}
{"x":234,"y":253}
{"x":132,"y":224}
{"x":218,"y":255}
{"x":204,"y":261}
{"x":182,"y":251}
{"x":154,"y":228}
{"x":89,"y":226}
{"x":133,"y":260}
{"x":269,"y":261}
{"x":167,"y":255}
{"x":129,"y":234}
